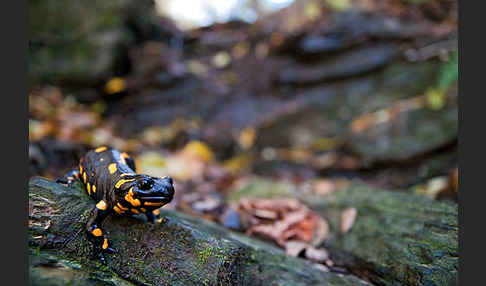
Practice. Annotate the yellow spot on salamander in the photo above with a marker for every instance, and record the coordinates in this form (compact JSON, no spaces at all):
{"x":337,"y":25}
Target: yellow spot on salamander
{"x":88,"y":187}
{"x":122,"y":181}
{"x":101,"y":205}
{"x":93,"y":188}
{"x":119,"y":211}
{"x":100,"y":149}
{"x":84,"y":178}
{"x":156,"y":212}
{"x":134,"y":202}
{"x":129,"y":198}
{"x":135,"y":211}
{"x":125,"y":174}
{"x":153,"y":204}
{"x":105,"y":244}
{"x":112,"y":168}
{"x":143,"y":209}
{"x":122,"y":207}
{"x":123,"y":157}
{"x":80,"y":169}
{"x":76,"y":175}
{"x":97,"y":232}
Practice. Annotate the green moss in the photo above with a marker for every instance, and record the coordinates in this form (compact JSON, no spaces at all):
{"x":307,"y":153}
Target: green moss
{"x":261,"y":189}
{"x":208,"y":252}
{"x":449,"y":73}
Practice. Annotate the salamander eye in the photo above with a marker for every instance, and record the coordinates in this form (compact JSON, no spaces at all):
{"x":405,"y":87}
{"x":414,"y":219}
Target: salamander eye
{"x":146,"y":184}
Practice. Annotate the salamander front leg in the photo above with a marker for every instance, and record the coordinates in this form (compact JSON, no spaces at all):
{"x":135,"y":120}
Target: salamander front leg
{"x":154,"y":216}
{"x":94,"y":232}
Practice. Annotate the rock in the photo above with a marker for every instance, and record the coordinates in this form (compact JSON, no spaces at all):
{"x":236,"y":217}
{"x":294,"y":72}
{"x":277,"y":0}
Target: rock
{"x":326,"y":110}
{"x":47,"y":268}
{"x":82,"y":43}
{"x":179,"y":251}
{"x":347,"y":64}
{"x":397,"y":238}
{"x":409,"y":135}
{"x":353,"y":28}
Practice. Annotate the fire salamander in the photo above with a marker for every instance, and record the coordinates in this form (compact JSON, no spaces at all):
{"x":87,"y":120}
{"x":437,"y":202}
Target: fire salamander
{"x":110,"y":179}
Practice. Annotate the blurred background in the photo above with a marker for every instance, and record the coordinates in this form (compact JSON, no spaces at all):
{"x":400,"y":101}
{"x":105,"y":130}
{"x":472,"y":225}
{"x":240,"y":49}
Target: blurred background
{"x":293,"y":97}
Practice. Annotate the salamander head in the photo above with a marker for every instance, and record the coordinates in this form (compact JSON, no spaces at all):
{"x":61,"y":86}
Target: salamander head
{"x":152,"y":190}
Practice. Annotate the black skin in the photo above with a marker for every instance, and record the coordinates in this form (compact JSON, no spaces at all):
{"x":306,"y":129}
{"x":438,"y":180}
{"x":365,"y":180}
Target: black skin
{"x":135,"y":193}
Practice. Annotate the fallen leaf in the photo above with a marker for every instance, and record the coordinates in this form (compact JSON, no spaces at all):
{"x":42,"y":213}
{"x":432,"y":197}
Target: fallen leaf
{"x":247,"y":138}
{"x":325,"y":144}
{"x":115,"y":85}
{"x":436,"y":98}
{"x":199,"y":150}
{"x":321,"y":230}
{"x":294,"y":248}
{"x":312,"y":10}
{"x":261,"y":50}
{"x":454,"y":180}
{"x":48,"y":224}
{"x":276,"y":39}
{"x":151,"y":163}
{"x":348,"y":216}
{"x":323,"y":186}
{"x":325,"y":160}
{"x":197,"y":68}
{"x":237,"y":163}
{"x":221,"y":60}
{"x":362,"y":123}
{"x":266,"y":214}
{"x":282,"y":220}
{"x":316,"y":254}
{"x":240,"y":50}
{"x":208,"y":204}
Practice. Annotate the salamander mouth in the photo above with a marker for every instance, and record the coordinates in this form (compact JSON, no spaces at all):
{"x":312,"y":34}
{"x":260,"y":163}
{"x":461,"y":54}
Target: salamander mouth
{"x":156,"y":199}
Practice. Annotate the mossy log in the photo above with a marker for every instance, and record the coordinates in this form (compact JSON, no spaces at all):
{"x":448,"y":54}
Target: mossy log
{"x":180,"y":250}
{"x":397,"y":238}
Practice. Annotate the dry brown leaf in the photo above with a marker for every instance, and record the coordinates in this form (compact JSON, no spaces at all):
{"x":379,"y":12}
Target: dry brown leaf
{"x":362,"y":123}
{"x":321,"y":230}
{"x":199,"y":150}
{"x":454,"y":180}
{"x":266,"y":214}
{"x":294,"y":248}
{"x":348,"y":163}
{"x":348,"y":216}
{"x":282,"y":220}
{"x":323,"y":186}
{"x":316,"y":254}
{"x":247,"y":137}
{"x":240,"y":50}
{"x":325,"y":160}
{"x":207,"y":204}
{"x":115,"y":85}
